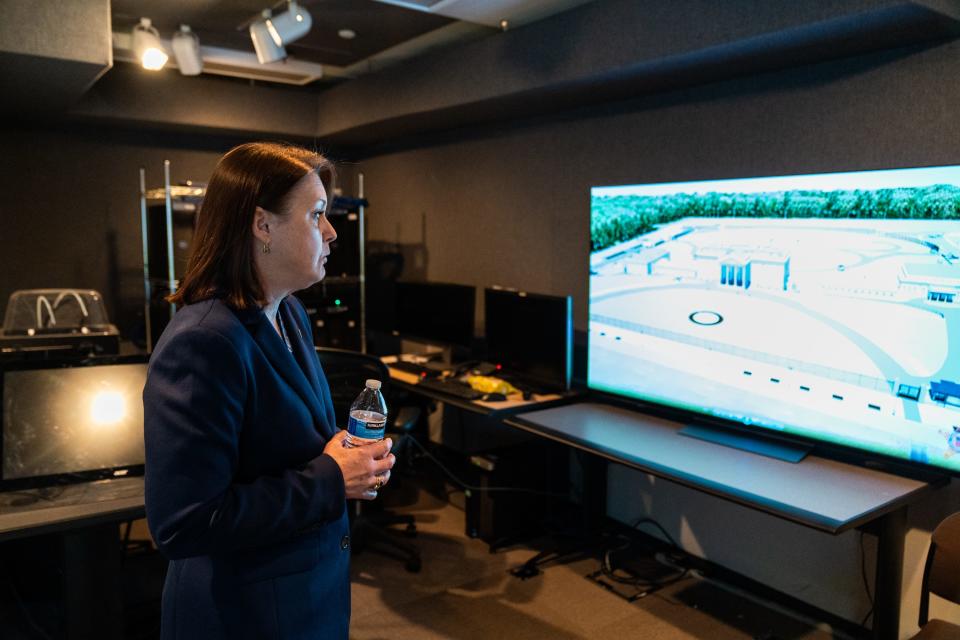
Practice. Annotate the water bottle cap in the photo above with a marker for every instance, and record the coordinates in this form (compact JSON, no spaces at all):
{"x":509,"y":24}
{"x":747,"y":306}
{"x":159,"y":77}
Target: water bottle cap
{"x":373,"y":384}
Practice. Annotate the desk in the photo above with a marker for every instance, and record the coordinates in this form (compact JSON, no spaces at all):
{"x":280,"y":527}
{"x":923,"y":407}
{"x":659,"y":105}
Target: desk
{"x":86,"y":517}
{"x":73,"y":507}
{"x":820,"y":493}
{"x":475,"y":426}
{"x":409,"y":382}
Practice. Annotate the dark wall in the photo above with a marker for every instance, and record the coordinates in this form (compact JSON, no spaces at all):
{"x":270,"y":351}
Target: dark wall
{"x":616,"y":49}
{"x":70,"y":210}
{"x":511,"y":205}
{"x":502,"y":205}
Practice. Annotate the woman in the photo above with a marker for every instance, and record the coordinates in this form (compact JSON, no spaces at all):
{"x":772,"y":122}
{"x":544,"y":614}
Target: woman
{"x":246,"y":472}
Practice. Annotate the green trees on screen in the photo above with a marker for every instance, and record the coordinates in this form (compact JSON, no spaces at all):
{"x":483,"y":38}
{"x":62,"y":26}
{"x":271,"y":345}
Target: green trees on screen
{"x":614,"y":219}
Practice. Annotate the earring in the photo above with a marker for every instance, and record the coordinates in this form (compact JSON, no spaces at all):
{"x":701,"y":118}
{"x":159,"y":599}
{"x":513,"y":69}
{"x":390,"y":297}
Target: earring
{"x":266,"y":247}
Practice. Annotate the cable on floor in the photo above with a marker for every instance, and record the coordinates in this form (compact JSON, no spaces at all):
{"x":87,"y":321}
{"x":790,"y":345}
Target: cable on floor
{"x":470,"y":487}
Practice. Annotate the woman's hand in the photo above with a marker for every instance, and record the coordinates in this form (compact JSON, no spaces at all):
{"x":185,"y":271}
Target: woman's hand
{"x":365,"y":468}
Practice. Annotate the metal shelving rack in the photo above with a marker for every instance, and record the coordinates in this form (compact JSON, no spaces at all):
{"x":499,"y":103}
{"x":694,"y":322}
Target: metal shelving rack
{"x":181,"y":198}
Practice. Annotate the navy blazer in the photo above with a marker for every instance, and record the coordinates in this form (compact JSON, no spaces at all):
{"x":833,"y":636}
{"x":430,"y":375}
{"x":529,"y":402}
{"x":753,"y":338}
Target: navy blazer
{"x":238,"y":494}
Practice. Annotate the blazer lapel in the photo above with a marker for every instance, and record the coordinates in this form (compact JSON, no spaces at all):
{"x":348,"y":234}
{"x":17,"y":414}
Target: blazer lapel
{"x":302,"y":348}
{"x":306,"y":357}
{"x":282,"y":360}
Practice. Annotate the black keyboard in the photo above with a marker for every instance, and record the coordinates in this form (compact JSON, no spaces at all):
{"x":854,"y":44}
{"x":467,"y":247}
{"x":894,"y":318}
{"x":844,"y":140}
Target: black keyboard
{"x":452,"y":387}
{"x":421,"y":370}
{"x":409,"y":367}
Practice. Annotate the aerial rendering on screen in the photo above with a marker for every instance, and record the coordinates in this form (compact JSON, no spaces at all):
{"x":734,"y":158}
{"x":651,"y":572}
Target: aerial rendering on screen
{"x":826,"y":306}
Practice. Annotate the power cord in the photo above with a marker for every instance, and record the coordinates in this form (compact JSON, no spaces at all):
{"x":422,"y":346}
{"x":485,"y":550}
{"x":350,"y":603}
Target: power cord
{"x":607,"y":568}
{"x":645,"y":520}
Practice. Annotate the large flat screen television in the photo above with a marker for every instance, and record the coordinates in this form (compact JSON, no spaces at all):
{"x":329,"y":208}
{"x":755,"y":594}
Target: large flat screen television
{"x":822,"y":306}
{"x":71,"y":422}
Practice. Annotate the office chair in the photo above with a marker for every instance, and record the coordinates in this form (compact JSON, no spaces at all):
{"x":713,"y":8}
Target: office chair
{"x":347,"y":372}
{"x":941,"y":576}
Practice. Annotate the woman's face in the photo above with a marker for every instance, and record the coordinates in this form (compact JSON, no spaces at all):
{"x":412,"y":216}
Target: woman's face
{"x":301,"y":239}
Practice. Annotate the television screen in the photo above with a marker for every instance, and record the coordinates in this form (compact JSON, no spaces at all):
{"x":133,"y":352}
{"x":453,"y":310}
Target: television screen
{"x":76,"y":420}
{"x":436,"y":312}
{"x":823,"y":306}
{"x":530,"y":336}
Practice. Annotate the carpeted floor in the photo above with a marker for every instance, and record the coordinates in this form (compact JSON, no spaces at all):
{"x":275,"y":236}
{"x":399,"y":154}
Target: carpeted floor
{"x":464,"y":592}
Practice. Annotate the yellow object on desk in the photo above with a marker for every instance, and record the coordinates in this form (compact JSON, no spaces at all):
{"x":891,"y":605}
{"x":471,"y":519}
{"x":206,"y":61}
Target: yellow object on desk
{"x":489,"y":384}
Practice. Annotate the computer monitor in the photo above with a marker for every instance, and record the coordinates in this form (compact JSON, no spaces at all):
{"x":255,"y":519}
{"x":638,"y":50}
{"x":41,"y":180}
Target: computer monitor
{"x":530,"y":336}
{"x":436,"y":312}
{"x":71,"y":423}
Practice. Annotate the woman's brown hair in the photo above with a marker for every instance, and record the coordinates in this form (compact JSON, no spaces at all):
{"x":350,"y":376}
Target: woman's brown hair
{"x":256,"y":174}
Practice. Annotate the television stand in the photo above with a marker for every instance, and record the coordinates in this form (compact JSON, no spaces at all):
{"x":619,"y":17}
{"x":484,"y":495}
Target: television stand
{"x":772,"y":447}
{"x":817,"y":492}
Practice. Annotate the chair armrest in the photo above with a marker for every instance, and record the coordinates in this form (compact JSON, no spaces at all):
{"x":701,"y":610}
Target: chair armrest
{"x":406,"y":419}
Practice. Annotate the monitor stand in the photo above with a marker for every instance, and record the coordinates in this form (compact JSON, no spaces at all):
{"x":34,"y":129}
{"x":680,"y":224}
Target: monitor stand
{"x":772,"y":447}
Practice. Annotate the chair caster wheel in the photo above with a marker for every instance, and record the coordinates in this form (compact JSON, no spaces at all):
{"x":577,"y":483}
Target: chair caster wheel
{"x":410,"y":531}
{"x":413,"y":565}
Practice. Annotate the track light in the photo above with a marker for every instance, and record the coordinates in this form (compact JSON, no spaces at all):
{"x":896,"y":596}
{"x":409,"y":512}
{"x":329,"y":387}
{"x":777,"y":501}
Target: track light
{"x":263,"y":43}
{"x":186,"y":51}
{"x":290,"y":25}
{"x":147,"y":46}
{"x":272,"y":33}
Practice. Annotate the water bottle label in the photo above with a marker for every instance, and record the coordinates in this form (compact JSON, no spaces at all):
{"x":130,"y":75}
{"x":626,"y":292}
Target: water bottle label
{"x":366,"y":424}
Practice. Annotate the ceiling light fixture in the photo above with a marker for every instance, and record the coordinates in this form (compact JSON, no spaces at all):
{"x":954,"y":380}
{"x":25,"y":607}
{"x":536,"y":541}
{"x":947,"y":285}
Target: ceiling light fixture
{"x":186,"y":51}
{"x":272,"y":33}
{"x":147,"y":46}
{"x":347,"y":34}
{"x":263,"y":43}
{"x":292,"y":24}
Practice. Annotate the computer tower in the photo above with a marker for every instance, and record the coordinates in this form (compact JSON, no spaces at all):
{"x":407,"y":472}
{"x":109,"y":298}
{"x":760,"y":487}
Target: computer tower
{"x":344,"y":258}
{"x":334,"y":304}
{"x":334,"y":312}
{"x":499,"y":516}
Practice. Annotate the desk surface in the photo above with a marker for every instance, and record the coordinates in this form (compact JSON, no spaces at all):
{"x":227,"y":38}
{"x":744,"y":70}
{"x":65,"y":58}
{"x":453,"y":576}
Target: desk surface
{"x":69,"y":507}
{"x":817,"y":492}
{"x":513,"y":404}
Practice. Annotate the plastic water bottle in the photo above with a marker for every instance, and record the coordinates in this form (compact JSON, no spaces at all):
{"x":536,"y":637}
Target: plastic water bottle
{"x":368,"y":416}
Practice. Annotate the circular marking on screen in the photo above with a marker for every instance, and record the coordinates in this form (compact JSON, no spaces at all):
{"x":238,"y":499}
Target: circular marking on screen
{"x":706,"y":318}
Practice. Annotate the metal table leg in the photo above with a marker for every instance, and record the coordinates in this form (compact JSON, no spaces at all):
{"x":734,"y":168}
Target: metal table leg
{"x":890,"y":530}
